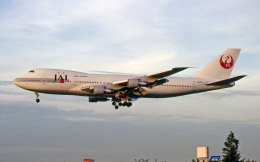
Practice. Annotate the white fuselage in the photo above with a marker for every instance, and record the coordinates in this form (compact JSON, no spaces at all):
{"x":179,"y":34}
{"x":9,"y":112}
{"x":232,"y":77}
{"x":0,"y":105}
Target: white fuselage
{"x":66,"y":82}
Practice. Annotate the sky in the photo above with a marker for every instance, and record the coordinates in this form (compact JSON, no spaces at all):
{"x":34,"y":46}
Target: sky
{"x":130,"y":36}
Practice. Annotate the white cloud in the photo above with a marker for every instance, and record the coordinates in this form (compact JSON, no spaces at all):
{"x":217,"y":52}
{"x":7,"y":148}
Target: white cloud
{"x":127,"y":36}
{"x":145,"y":63}
{"x":93,"y":35}
{"x":221,"y":104}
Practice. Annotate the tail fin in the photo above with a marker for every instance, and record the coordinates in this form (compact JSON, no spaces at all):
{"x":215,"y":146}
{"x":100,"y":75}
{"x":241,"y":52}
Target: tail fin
{"x":222,"y":66}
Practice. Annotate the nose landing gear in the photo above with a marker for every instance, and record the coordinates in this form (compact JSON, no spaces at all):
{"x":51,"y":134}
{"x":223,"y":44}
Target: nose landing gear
{"x":37,"y":97}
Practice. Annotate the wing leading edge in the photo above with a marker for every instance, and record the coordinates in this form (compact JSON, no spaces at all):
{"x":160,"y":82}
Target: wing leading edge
{"x":167,"y":73}
{"x":153,"y":77}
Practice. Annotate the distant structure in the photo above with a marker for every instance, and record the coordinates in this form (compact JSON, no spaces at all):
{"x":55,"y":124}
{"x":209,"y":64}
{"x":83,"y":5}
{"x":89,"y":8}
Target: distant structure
{"x":203,"y":154}
{"x":88,"y":160}
{"x":215,"y":158}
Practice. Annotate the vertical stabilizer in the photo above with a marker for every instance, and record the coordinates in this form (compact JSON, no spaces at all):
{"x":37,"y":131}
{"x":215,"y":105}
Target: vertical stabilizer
{"x":222,"y":66}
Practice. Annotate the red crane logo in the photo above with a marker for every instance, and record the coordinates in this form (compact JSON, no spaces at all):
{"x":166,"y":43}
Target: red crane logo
{"x":226,"y":61}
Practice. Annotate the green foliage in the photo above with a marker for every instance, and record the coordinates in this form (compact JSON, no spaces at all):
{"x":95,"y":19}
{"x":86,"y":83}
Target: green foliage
{"x":230,"y":151}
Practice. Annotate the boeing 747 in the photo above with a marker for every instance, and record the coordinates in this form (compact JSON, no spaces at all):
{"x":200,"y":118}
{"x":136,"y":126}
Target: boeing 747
{"x":122,"y":89}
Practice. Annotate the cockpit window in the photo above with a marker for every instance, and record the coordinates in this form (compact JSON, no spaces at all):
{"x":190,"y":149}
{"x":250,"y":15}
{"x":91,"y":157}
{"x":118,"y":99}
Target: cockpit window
{"x":31,"y":71}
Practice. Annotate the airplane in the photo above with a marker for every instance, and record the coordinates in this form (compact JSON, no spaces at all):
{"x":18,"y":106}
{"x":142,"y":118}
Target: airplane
{"x":123,"y":89}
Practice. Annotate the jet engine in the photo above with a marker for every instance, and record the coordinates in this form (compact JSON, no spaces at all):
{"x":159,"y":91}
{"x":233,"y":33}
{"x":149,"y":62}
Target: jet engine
{"x":101,"y":90}
{"x":133,"y":83}
{"x":97,"y":99}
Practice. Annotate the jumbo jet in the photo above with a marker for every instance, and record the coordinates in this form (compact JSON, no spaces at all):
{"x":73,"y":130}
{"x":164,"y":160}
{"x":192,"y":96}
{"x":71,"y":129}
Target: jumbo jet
{"x":123,"y":89}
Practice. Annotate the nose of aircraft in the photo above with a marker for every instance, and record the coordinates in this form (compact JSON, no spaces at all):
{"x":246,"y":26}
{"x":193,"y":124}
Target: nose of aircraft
{"x":15,"y":81}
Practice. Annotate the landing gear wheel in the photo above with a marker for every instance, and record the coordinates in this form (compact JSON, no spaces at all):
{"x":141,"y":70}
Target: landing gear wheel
{"x":37,"y":100}
{"x":121,"y":101}
{"x":113,"y":103}
{"x":129,"y":104}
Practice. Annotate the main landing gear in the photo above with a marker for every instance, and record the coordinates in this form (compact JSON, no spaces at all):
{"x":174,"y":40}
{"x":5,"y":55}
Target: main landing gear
{"x":37,"y":97}
{"x":121,"y":102}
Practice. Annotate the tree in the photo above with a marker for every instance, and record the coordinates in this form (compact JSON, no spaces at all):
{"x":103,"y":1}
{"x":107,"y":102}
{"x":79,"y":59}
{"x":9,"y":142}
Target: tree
{"x":230,"y":151}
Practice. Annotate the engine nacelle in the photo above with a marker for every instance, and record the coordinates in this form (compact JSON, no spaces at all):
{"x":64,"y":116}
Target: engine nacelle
{"x":98,"y":90}
{"x":97,"y":99}
{"x":106,"y":90}
{"x":133,"y":83}
{"x":102,"y":90}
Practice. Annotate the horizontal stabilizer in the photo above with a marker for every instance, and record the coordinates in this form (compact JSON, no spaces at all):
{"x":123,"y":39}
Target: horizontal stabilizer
{"x":226,"y":81}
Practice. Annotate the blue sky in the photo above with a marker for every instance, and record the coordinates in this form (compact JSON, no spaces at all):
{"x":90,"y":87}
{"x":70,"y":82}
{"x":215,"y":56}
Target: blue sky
{"x":130,"y":37}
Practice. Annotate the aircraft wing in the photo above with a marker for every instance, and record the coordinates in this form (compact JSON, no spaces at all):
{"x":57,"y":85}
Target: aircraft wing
{"x":150,"y":80}
{"x":167,"y":73}
{"x":133,"y":86}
